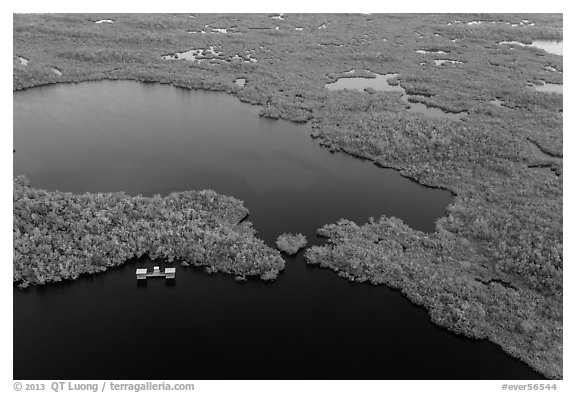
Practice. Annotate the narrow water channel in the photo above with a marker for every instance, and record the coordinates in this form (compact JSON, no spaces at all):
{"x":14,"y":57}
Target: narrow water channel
{"x":309,"y":324}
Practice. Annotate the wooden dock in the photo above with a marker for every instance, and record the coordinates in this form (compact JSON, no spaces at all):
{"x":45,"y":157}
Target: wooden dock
{"x":143,"y":274}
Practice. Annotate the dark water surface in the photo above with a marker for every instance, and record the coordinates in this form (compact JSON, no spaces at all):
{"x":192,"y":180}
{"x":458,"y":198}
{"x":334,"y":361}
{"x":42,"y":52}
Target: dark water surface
{"x":308,"y":324}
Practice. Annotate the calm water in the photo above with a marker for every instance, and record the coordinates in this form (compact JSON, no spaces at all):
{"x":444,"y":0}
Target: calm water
{"x":308,"y":324}
{"x":380,"y":83}
{"x":550,"y":46}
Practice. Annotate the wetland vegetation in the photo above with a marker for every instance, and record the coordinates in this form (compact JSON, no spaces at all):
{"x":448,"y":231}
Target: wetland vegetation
{"x":59,"y":235}
{"x":290,"y":243}
{"x":493,"y":267}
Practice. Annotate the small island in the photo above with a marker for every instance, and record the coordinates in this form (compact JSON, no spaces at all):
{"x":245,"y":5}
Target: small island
{"x":291,"y":244}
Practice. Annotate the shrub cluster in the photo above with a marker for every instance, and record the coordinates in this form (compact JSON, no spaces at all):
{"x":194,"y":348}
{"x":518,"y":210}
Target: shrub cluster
{"x":61,"y":235}
{"x":290,"y":243}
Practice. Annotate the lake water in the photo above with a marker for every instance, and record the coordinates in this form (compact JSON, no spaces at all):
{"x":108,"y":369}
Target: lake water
{"x":380,"y":83}
{"x":308,"y":324}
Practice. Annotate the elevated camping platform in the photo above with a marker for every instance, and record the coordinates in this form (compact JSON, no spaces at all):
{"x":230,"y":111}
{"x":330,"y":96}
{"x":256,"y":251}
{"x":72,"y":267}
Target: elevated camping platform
{"x":143,"y":274}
